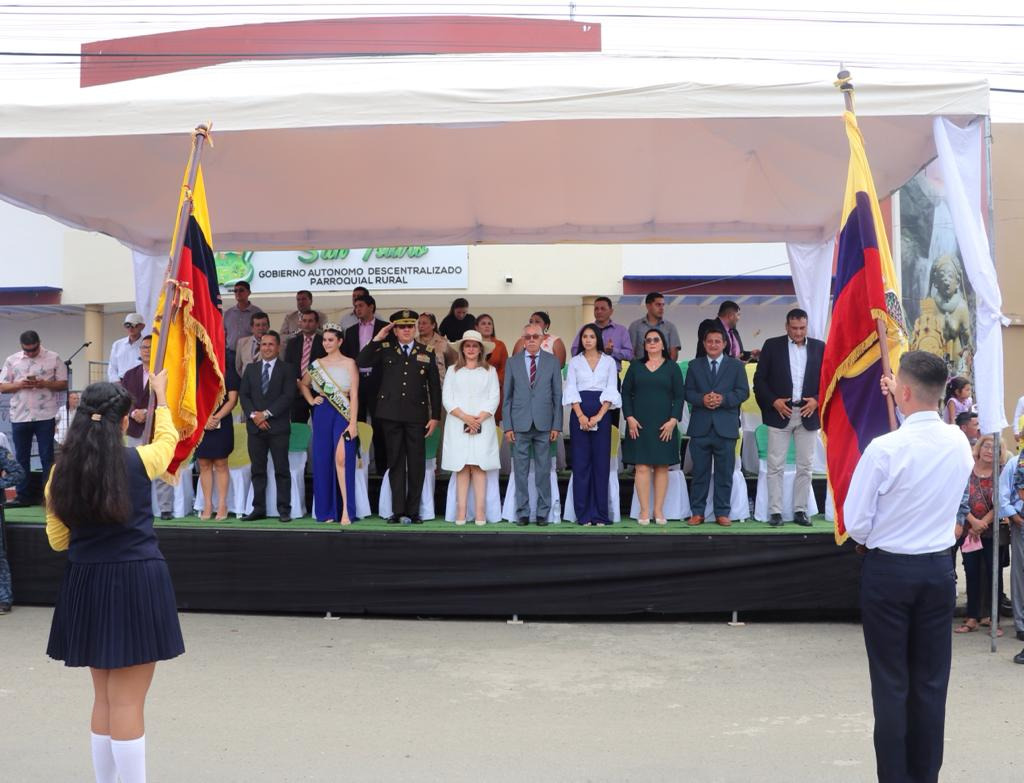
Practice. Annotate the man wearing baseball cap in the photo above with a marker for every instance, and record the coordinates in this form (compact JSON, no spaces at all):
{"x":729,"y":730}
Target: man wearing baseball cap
{"x":124,"y":353}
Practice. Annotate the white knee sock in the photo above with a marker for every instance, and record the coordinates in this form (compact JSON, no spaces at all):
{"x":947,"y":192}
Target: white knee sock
{"x":130,"y":757}
{"x":103,"y":759}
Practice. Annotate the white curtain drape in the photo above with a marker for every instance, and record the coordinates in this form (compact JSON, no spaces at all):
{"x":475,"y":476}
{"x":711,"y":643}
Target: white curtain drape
{"x":960,"y":162}
{"x":149,"y":278}
{"x":811,"y":267}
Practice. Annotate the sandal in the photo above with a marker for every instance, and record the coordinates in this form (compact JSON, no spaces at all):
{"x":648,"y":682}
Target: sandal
{"x":966,"y":628}
{"x":660,"y":521}
{"x":479,"y":522}
{"x":460,"y":522}
{"x":204,"y":517}
{"x":643,"y":522}
{"x":221,"y":517}
{"x":345,"y":522}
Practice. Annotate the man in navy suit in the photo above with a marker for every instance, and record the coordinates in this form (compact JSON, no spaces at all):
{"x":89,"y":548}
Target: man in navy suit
{"x":715,"y":387}
{"x":266,"y":393}
{"x":786,"y":387}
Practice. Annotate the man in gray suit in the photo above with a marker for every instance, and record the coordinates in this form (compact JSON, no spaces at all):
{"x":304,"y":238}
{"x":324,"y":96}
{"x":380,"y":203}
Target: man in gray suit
{"x":532,"y":417}
{"x":716,"y":385}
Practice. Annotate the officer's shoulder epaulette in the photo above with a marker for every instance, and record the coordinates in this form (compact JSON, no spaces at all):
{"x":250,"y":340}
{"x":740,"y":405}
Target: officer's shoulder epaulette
{"x":430,"y":348}
{"x":385,"y":344}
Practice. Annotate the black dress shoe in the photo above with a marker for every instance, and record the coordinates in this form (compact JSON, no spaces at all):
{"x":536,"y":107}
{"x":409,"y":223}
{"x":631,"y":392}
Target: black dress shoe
{"x":393,"y":520}
{"x":523,"y":521}
{"x":542,"y":523}
{"x":253,"y":517}
{"x":5,"y":608}
{"x":775,"y":520}
{"x":1019,"y":657}
{"x":284,"y":518}
{"x":800,"y":518}
{"x":166,"y":515}
{"x":1020,"y":636}
{"x":415,"y":519}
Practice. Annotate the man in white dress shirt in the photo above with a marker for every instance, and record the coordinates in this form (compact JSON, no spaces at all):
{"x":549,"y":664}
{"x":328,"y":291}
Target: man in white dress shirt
{"x":124,"y":353}
{"x":902,"y":506}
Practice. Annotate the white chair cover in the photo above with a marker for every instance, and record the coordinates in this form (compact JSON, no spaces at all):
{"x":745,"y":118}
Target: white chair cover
{"x":677,"y":500}
{"x":508,"y":507}
{"x":492,"y":505}
{"x":761,"y":498}
{"x":739,"y":502}
{"x":184,"y":493}
{"x":830,"y":505}
{"x":297,"y":469}
{"x":239,"y":484}
{"x":426,"y":498}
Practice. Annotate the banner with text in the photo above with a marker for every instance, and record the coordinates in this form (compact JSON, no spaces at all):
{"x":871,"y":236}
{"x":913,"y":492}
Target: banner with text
{"x":341,"y":269}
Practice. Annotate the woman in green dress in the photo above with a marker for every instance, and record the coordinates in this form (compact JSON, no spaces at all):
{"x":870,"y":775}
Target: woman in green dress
{"x":652,"y":402}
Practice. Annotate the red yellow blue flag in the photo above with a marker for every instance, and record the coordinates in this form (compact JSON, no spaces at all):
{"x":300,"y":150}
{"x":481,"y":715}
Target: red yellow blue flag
{"x":853,"y":410}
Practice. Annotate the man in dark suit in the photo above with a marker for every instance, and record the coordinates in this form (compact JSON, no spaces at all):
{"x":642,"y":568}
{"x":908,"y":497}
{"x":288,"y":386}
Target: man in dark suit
{"x":408,"y":408}
{"x":786,"y":387}
{"x":531,"y":414}
{"x":303,"y":348}
{"x":728,"y":318}
{"x":356,"y":338}
{"x":715,"y":387}
{"x":266,"y":393}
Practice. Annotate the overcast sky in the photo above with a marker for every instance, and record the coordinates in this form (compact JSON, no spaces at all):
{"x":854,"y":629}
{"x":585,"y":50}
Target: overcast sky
{"x":939,"y":35}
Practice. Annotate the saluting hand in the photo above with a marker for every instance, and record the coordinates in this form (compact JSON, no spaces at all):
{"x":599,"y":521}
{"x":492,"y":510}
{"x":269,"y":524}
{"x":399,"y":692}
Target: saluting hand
{"x":383,"y":333}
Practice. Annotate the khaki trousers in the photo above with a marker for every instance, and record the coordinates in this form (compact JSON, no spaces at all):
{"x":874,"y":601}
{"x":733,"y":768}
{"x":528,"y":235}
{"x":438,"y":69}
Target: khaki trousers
{"x":778,"y":447}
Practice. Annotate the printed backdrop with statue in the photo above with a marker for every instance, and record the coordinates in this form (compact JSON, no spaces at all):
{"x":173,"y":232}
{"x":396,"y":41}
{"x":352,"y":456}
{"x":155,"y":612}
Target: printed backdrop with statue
{"x":338,"y":269}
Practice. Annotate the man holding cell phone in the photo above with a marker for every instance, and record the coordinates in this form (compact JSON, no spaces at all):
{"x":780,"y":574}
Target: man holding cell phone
{"x":34,"y":377}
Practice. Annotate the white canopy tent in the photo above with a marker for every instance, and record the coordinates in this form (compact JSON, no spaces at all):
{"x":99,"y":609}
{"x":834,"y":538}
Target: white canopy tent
{"x":457,"y":149}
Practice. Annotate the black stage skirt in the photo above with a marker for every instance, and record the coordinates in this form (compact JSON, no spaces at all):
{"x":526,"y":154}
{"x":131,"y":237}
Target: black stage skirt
{"x":111,"y":615}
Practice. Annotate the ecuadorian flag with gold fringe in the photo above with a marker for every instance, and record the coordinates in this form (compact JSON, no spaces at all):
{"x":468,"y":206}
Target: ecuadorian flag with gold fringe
{"x":853,"y":410}
{"x":194,"y":356}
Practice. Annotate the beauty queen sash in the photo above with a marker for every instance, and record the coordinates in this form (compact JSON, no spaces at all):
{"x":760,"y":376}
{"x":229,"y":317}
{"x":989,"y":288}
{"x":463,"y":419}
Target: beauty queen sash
{"x":329,"y":389}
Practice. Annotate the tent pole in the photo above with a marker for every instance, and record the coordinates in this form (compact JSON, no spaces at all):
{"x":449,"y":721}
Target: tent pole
{"x":846,"y":87}
{"x":199,"y":136}
{"x":994,"y":616}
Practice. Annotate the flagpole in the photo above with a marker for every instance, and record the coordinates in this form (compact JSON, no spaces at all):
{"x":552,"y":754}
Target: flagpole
{"x":199,"y":137}
{"x":846,"y":87}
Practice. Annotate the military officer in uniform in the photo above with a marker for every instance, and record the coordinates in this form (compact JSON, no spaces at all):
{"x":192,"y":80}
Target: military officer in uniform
{"x":408,"y":407}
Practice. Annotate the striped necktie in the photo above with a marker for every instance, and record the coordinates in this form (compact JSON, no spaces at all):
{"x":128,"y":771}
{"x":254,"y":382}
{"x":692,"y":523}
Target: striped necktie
{"x":265,"y":380}
{"x":533,"y":369}
{"x":307,"y":348}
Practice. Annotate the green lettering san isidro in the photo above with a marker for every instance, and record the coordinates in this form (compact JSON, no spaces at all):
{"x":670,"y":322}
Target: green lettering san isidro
{"x":331,"y":254}
{"x":400,"y":251}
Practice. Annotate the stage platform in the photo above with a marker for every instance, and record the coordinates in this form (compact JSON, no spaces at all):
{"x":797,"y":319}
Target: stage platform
{"x":438,"y":569}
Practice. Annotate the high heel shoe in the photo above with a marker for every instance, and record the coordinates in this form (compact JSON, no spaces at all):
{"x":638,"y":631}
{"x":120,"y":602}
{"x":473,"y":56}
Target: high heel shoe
{"x":345,"y":522}
{"x":206,"y":517}
{"x":660,"y":521}
{"x":479,"y":522}
{"x":460,"y":522}
{"x":643,"y":522}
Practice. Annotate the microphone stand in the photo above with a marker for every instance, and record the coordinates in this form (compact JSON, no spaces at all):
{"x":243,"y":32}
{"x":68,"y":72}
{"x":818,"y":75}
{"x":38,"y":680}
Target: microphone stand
{"x":71,"y":386}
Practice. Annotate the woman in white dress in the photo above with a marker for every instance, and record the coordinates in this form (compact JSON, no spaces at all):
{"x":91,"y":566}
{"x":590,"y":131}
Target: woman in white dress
{"x":591,"y":388}
{"x":470,"y":395}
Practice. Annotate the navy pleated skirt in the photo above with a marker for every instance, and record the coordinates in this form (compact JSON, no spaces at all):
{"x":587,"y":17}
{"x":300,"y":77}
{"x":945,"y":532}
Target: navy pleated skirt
{"x":111,"y":615}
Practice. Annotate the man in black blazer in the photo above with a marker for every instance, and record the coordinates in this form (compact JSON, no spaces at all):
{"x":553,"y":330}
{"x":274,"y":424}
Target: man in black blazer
{"x":304,"y":347}
{"x":715,"y":387}
{"x":786,"y":387}
{"x":356,"y":338}
{"x":266,"y":393}
{"x":727,"y":320}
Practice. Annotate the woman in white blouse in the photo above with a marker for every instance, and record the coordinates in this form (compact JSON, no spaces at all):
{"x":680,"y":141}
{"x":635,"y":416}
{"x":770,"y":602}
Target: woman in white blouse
{"x":591,"y":388}
{"x":470,"y":448}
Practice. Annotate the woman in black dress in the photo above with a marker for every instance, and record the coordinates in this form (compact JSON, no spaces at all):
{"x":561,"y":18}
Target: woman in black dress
{"x":116,"y":612}
{"x":217,"y":444}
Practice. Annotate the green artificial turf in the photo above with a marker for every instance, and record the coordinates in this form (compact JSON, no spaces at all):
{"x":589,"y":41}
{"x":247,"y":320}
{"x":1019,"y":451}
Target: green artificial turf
{"x":378,"y":525}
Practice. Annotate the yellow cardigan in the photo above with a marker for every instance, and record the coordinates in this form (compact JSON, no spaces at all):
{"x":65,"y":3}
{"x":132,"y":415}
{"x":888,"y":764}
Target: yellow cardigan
{"x":155,"y":457}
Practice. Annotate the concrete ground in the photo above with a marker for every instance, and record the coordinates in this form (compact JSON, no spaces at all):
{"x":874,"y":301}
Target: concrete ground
{"x":269,"y":698}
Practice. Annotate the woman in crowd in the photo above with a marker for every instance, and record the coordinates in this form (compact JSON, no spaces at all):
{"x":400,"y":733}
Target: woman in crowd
{"x":550,"y":343}
{"x":591,"y":388}
{"x":470,"y":395}
{"x":116,"y":612}
{"x":335,"y":379}
{"x":212,"y":454}
{"x":958,"y":399}
{"x":497,"y":357}
{"x":974,"y":531}
{"x":444,"y":354}
{"x":652,"y":402}
{"x":458,"y":320}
